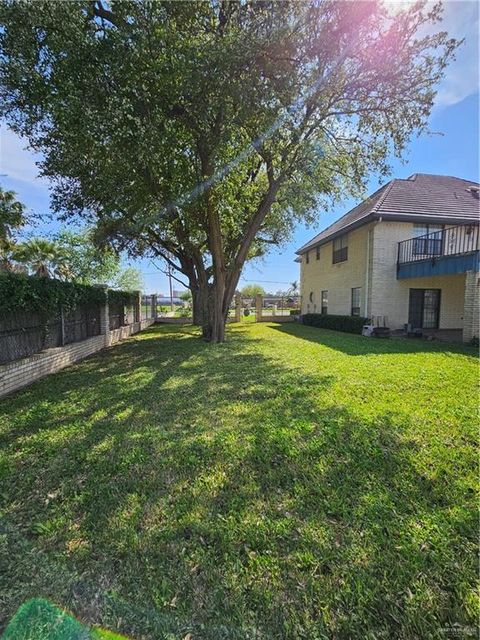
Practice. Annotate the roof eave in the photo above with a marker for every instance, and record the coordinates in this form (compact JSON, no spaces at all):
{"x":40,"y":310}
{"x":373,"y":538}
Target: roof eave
{"x":399,"y":217}
{"x":349,"y":227}
{"x":421,"y":217}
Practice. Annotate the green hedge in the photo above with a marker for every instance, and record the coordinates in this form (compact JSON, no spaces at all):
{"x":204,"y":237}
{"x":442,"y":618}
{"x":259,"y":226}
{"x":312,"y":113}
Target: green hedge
{"x":127,"y":298}
{"x":44,"y":295}
{"x":348,"y":324}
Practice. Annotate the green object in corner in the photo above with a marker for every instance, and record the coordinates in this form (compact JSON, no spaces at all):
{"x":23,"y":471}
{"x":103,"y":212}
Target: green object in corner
{"x":37,"y":619}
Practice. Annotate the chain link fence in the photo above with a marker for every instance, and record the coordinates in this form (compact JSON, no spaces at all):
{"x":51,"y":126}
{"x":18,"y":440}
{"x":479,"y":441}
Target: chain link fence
{"x":147,"y":307}
{"x":24,"y":333}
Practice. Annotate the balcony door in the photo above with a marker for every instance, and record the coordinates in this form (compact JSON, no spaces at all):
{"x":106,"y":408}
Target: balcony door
{"x":428,"y":240}
{"x":424,"y":308}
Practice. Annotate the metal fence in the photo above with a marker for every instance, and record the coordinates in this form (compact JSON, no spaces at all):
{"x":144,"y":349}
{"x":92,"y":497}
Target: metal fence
{"x":81,"y":324}
{"x":452,"y":241}
{"x":24,"y":333}
{"x":279,"y":305}
{"x":147,"y":307}
{"x":116,"y":315}
{"x":120,"y":315}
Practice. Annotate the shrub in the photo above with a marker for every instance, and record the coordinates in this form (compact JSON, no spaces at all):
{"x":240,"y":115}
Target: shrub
{"x":348,"y":324}
{"x":295,"y":312}
{"x":127,"y":298}
{"x":44,"y":295}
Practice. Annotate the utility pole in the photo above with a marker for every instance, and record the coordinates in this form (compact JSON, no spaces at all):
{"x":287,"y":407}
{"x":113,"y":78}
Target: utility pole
{"x":170,"y":285}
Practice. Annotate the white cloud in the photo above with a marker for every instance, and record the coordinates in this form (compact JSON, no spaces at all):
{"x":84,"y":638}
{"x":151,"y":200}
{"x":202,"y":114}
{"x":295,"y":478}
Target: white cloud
{"x":461,"y":21}
{"x":16,"y":160}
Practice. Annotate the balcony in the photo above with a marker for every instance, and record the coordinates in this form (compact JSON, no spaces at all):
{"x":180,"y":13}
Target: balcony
{"x":450,"y":251}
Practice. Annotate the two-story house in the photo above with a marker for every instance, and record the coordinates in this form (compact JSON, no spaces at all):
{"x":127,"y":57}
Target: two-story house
{"x":406,"y":257}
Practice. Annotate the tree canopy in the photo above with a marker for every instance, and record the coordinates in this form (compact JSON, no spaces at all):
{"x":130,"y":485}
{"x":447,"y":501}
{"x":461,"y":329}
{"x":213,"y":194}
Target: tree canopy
{"x":44,"y":258}
{"x":88,"y":263}
{"x":129,"y":279}
{"x":12,"y":214}
{"x":252,"y":290}
{"x":202,"y":131}
{"x":12,"y":218}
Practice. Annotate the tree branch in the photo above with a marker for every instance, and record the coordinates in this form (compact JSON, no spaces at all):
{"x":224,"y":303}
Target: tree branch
{"x":105,"y":14}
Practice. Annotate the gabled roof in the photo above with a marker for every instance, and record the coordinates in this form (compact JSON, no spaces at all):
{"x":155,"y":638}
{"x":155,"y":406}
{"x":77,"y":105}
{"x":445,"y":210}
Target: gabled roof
{"x":421,"y":198}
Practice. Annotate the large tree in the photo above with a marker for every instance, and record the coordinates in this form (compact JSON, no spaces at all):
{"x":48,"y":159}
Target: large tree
{"x":129,"y":279}
{"x":92,"y":264}
{"x":252,"y":290}
{"x":201,"y":131}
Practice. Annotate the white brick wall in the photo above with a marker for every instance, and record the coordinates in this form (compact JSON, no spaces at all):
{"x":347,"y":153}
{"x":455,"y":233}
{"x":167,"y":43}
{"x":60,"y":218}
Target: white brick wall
{"x":338,"y":279}
{"x":372,"y":265}
{"x":393,"y":302}
{"x":390,"y":297}
{"x":18,"y":374}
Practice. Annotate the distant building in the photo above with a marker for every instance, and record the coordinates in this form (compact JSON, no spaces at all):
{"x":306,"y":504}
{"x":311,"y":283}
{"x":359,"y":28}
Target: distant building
{"x":164,"y":300}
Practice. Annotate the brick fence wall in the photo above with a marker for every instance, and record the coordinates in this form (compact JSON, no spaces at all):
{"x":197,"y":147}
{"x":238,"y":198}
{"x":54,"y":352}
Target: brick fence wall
{"x":18,"y":374}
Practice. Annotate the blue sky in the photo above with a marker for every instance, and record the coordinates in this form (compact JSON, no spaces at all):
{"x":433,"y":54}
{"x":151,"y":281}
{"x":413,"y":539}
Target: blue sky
{"x":453,"y":150}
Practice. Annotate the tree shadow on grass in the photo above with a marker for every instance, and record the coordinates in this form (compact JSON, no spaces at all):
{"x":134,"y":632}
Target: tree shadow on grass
{"x":180,"y":487}
{"x":356,"y":345}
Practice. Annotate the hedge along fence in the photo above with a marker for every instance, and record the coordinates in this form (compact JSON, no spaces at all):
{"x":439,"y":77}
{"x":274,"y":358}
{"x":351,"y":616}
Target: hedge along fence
{"x":348,"y":324}
{"x":45,"y":295}
{"x":38,"y":313}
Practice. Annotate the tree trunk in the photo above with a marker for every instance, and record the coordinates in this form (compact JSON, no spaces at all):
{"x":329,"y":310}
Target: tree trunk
{"x":197,"y":307}
{"x":225,"y":277}
{"x":213,"y":326}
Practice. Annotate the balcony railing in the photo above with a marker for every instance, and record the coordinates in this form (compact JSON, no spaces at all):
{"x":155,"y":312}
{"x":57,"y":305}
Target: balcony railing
{"x":453,"y":241}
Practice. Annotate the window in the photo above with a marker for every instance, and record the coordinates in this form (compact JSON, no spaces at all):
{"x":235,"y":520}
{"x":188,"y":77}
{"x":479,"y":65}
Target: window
{"x":355,"y":301}
{"x":317,"y":253}
{"x":427,"y":246}
{"x":424,"y":308}
{"x":324,"y":302}
{"x":340,"y":249}
{"x":307,"y":258}
{"x":310,"y":297}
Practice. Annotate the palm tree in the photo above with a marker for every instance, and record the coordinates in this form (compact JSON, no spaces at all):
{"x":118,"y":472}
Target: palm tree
{"x":12,"y":213}
{"x":44,"y":257}
{"x":294,"y":288}
{"x":8,"y":249}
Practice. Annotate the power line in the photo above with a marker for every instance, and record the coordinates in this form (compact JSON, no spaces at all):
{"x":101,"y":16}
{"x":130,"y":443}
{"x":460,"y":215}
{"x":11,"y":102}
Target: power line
{"x":156,"y":273}
{"x":266,"y":281}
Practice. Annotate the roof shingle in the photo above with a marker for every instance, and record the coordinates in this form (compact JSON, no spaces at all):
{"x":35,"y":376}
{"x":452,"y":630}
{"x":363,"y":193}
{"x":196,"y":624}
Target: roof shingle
{"x":421,"y":196}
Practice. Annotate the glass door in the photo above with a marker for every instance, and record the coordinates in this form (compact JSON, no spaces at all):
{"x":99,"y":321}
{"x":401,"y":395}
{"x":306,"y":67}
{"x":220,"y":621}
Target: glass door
{"x":424,"y":308}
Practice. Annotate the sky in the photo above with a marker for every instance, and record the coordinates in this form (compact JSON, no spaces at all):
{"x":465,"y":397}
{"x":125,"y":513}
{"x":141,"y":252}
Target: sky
{"x":451,"y":150}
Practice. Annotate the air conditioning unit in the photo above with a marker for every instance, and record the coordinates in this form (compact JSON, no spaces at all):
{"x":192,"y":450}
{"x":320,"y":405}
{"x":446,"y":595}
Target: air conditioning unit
{"x":367,"y":330}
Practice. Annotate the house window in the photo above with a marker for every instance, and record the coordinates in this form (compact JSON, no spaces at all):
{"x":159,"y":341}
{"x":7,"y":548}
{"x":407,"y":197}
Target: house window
{"x":355,"y":301}
{"x":317,"y":253}
{"x":340,"y":249}
{"x":307,"y":258}
{"x":427,"y":246}
{"x":324,"y":302}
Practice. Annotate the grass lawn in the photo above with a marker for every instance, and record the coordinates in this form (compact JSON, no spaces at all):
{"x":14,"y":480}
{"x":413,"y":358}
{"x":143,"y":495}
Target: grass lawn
{"x":292,"y":483}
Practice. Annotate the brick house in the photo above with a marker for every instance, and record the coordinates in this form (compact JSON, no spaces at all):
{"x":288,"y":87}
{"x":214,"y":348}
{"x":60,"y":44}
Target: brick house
{"x":407,"y":255}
